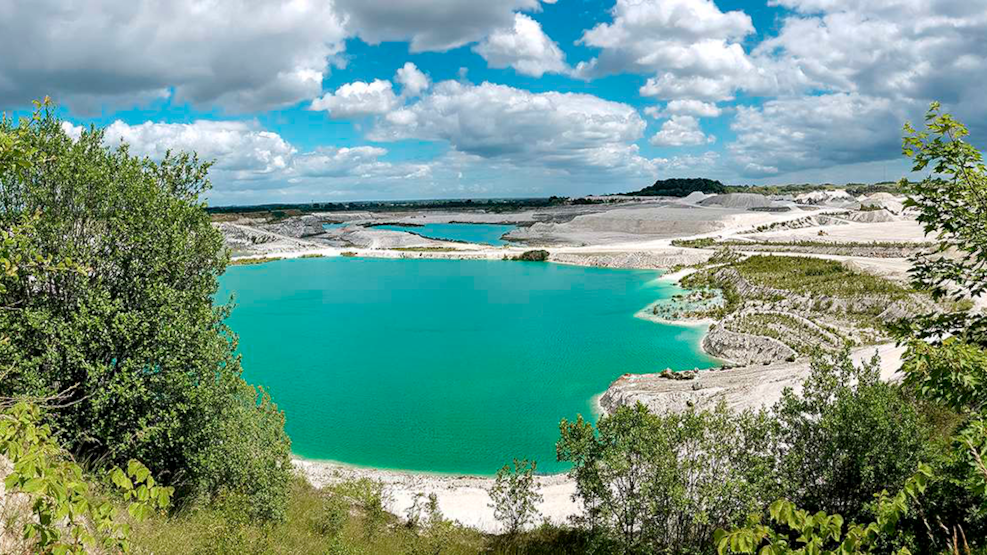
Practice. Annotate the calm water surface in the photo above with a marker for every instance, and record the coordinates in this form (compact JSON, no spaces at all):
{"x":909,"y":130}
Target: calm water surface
{"x":487,"y":234}
{"x":444,"y":366}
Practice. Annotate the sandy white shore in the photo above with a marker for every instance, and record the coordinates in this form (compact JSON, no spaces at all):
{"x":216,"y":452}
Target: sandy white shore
{"x":463,"y":499}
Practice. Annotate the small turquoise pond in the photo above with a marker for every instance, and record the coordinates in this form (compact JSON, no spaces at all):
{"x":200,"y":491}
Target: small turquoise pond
{"x":444,"y":365}
{"x":487,"y":234}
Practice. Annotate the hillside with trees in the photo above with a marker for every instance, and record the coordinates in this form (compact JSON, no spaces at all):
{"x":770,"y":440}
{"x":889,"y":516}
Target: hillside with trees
{"x":679,"y":187}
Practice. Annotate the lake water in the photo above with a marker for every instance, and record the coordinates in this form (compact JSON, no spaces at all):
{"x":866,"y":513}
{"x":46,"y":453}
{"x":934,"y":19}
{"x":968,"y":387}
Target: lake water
{"x":487,"y":234}
{"x":443,"y":365}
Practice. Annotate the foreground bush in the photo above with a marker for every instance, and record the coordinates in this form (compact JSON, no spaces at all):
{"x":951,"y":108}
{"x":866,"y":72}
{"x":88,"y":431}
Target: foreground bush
{"x":846,"y":436}
{"x":131,"y":342}
{"x":49,"y":507}
{"x":664,"y":483}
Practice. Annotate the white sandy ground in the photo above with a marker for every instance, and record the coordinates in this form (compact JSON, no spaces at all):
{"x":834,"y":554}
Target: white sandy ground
{"x":618,"y":237}
{"x":461,"y":498}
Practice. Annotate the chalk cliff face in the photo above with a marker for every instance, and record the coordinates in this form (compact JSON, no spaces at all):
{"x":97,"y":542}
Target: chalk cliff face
{"x":745,"y":349}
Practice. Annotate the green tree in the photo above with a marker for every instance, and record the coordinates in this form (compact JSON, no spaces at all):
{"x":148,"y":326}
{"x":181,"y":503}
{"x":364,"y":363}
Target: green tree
{"x":946,"y":360}
{"x":847,"y":435}
{"x":514,"y":496}
{"x":796,"y":531}
{"x":664,"y":483}
{"x":133,"y":343}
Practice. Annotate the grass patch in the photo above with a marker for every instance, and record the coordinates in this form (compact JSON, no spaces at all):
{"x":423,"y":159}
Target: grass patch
{"x":341,"y":519}
{"x":425,"y":249}
{"x":253,"y":261}
{"x":815,"y":277}
{"x":313,"y":255}
{"x":703,"y":243}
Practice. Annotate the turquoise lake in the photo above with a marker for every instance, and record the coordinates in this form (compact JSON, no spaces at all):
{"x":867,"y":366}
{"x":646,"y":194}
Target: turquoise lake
{"x":487,"y":234}
{"x":444,"y":365}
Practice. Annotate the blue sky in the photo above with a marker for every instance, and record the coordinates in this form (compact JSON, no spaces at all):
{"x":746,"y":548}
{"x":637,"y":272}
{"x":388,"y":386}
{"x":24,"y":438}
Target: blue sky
{"x":328,"y":100}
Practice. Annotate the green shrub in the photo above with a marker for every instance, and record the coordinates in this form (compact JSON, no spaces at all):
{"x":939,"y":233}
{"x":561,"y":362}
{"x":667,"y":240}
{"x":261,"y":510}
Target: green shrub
{"x":663,"y":483}
{"x":846,"y":436}
{"x":533,"y":256}
{"x":132,"y":344}
{"x":514,"y":496}
{"x":62,"y":514}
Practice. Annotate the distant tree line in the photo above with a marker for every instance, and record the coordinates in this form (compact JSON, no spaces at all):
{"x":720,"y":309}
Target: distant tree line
{"x":680,"y":187}
{"x":677,"y":187}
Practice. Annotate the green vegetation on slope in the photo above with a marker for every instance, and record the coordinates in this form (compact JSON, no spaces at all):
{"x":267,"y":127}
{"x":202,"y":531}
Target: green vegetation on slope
{"x":816,"y":277}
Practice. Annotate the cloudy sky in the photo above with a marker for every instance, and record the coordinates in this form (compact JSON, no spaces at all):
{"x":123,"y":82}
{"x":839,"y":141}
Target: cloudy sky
{"x":326,"y":100}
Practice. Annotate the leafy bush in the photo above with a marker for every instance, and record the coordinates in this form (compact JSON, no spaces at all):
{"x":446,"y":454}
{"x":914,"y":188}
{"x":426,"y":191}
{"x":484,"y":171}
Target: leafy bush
{"x":63,"y":514}
{"x":514,"y":496}
{"x":846,"y":436}
{"x":663,"y":483}
{"x":132,"y":343}
{"x":797,"y":531}
{"x":533,"y":256}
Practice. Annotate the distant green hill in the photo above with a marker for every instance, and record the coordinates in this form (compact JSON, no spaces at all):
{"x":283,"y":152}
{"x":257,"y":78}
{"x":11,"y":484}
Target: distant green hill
{"x":679,"y":187}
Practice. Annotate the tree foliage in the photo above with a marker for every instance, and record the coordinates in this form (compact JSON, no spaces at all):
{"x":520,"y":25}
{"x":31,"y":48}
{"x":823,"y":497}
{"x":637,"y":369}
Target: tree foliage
{"x":63,"y":514}
{"x":846,"y":436}
{"x":680,"y":187}
{"x":796,"y":531}
{"x":514,"y":496}
{"x":946,"y":360}
{"x":664,"y":483}
{"x":133,"y":342}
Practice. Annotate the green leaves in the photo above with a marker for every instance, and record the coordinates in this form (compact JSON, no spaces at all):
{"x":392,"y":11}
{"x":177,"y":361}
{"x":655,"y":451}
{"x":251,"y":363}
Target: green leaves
{"x":946,"y":361}
{"x":656,"y":483}
{"x":108,"y":268}
{"x":66,"y":516}
{"x":120,"y":479}
{"x":514,"y":495}
{"x":821,"y":533}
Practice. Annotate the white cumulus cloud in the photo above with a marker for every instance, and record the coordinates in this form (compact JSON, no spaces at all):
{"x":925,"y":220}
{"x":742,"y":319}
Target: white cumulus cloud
{"x":681,"y":131}
{"x":235,"y":146}
{"x":685,"y":107}
{"x":691,"y":47}
{"x":242,"y":56}
{"x":564,"y":131}
{"x":411,"y":79}
{"x":808,"y":132}
{"x":524,"y":47}
{"x":358,"y":99}
{"x":431,"y":25}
